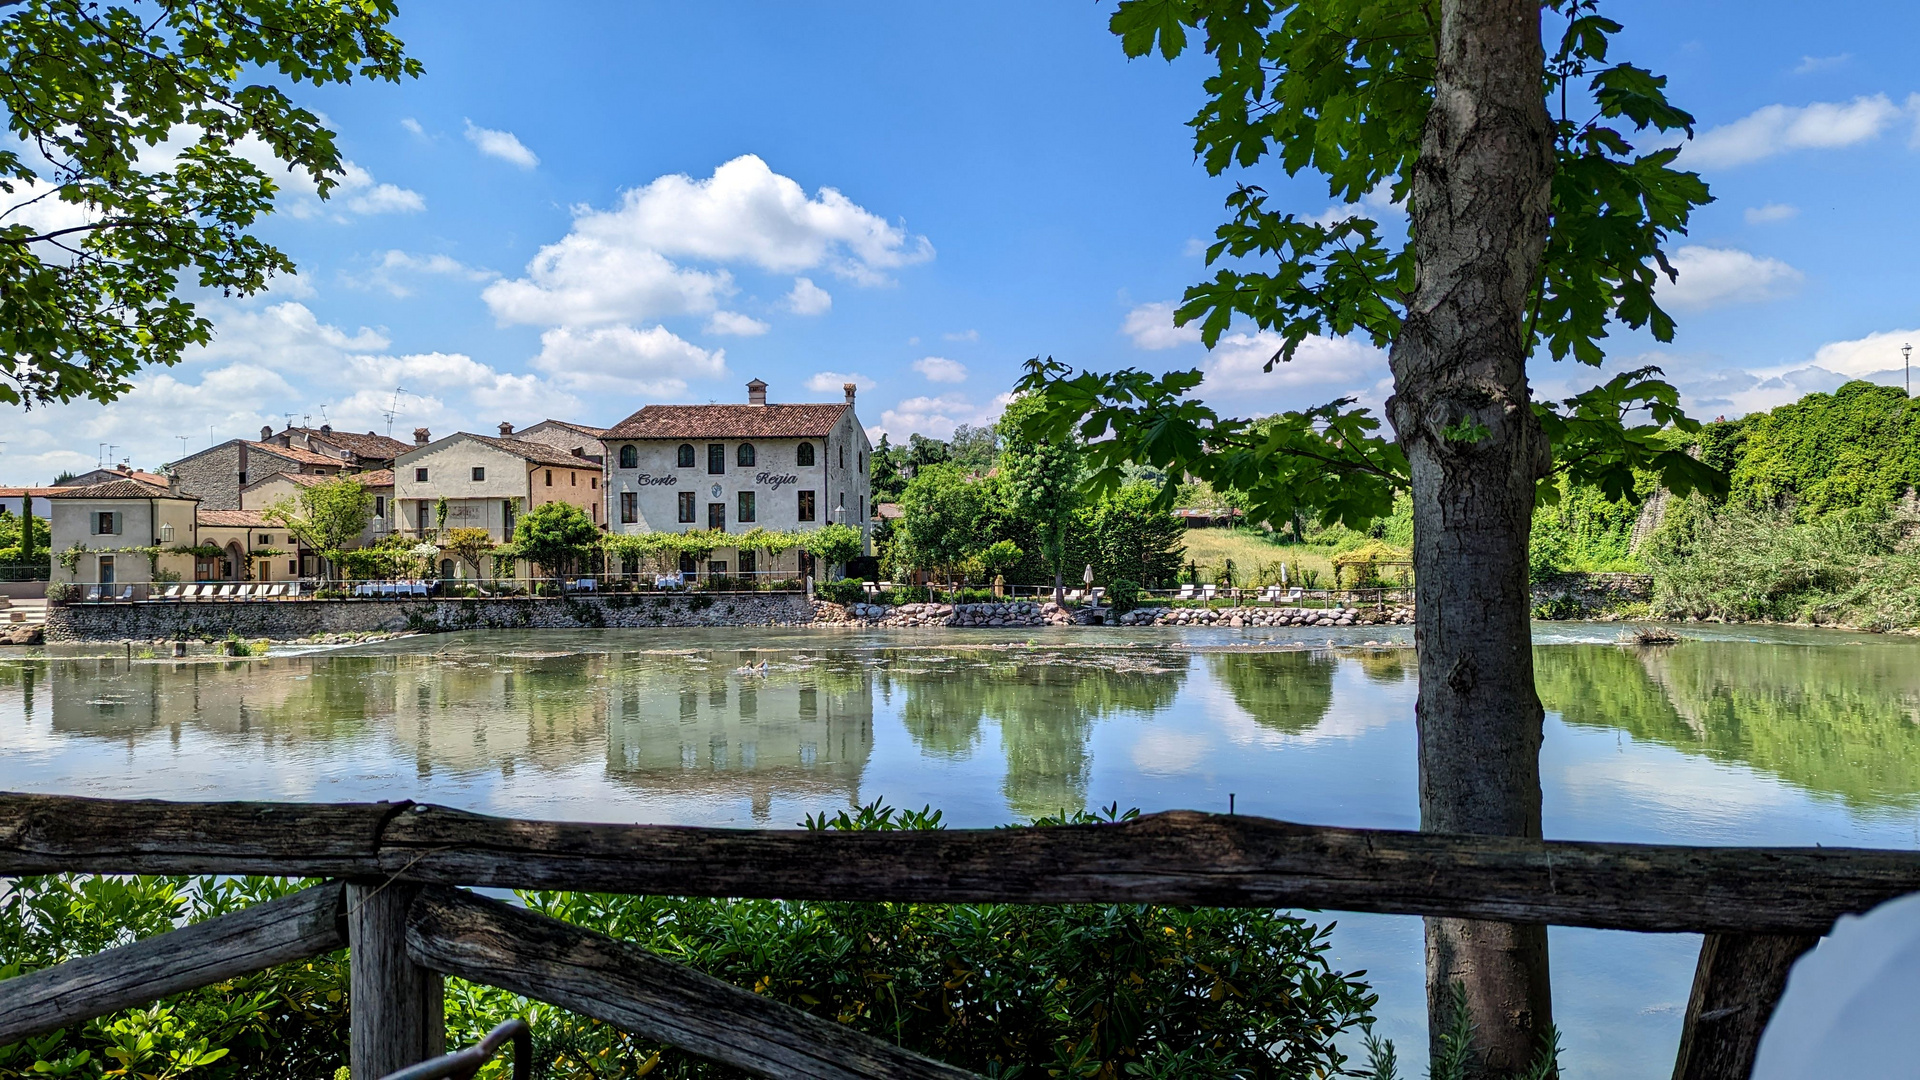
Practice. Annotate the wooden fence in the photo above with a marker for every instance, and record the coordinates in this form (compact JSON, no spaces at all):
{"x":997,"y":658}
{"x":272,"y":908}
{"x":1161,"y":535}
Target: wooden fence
{"x":396,"y":905}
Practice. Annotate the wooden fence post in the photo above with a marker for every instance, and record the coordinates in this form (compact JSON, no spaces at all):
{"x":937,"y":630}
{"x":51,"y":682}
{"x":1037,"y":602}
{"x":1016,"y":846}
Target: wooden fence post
{"x":1736,"y":986}
{"x":397,"y":1016}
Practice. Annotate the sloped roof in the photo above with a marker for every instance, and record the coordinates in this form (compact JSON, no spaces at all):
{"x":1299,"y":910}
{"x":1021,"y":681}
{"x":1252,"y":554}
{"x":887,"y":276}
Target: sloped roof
{"x":232,"y":519}
{"x":120,"y":473}
{"x":370,"y":445}
{"x":533,"y":451}
{"x":120,"y":489}
{"x":38,"y":493}
{"x":729,"y":422}
{"x":377,"y":478}
{"x":294,"y":453}
{"x":596,"y":432}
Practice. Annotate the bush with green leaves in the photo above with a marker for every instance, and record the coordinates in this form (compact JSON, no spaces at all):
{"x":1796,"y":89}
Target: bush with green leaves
{"x":843,"y":591}
{"x":1089,"y":990}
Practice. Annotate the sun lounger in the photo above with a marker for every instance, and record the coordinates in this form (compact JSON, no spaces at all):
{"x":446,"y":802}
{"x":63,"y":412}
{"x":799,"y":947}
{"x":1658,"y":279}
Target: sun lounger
{"x":172,"y":593}
{"x":1208,"y":592}
{"x":126,"y":594}
{"x":93,"y":593}
{"x":227,"y":591}
{"x":1186,"y":592}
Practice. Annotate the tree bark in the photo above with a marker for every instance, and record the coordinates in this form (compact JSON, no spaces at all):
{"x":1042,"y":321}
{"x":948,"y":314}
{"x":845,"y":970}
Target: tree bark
{"x":1461,"y":410}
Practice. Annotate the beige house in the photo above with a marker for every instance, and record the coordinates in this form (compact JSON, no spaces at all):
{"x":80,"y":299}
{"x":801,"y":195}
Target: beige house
{"x":111,"y":522}
{"x":244,"y":538}
{"x":285,"y":487}
{"x":488,"y":483}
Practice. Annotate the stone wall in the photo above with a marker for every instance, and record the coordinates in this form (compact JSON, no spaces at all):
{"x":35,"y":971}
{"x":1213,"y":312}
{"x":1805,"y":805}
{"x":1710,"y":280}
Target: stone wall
{"x":289,"y":620}
{"x":1579,"y":596}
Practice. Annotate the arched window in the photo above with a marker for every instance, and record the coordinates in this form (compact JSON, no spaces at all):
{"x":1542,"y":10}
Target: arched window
{"x":686,"y":455}
{"x":743,"y":456}
{"x":804,"y":456}
{"x":629,"y":456}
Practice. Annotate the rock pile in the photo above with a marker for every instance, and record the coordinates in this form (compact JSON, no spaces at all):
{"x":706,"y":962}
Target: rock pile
{"x":1247,"y":616}
{"x":1012,"y":613}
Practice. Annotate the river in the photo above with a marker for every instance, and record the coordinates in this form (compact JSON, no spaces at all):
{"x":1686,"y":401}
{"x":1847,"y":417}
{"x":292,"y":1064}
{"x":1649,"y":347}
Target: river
{"x":1733,"y":736}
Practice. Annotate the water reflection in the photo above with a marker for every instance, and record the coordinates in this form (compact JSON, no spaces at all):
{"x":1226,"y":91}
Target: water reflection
{"x":1837,"y":721}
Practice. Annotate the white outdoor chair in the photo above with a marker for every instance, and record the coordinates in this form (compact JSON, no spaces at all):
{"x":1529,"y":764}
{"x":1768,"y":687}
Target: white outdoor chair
{"x":1075,"y":594}
{"x":226,"y":592}
{"x":126,"y":594}
{"x":1208,"y":592}
{"x":172,"y":593}
{"x":93,"y":593}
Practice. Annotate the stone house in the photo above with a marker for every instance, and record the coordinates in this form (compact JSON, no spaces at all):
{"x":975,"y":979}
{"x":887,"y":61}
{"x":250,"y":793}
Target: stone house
{"x":733,"y":468}
{"x":488,"y":483}
{"x":218,"y":473}
{"x":368,"y":451}
{"x":121,"y":471}
{"x":589,"y":442}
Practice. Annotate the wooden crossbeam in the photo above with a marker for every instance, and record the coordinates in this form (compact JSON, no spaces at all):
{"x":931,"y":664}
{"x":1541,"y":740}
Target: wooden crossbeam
{"x":458,"y":933}
{"x":1177,"y":857}
{"x":297,"y":927}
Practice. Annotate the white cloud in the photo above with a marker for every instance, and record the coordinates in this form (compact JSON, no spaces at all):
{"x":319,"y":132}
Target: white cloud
{"x":1862,"y":357}
{"x":1377,"y":204}
{"x":285,"y":336}
{"x":1194,"y":247}
{"x":732,"y":322}
{"x":651,"y":361}
{"x":746,"y":212}
{"x":937,"y":416}
{"x":964,"y":335}
{"x":808,"y":298}
{"x":395,"y":265}
{"x":1710,"y":277}
{"x":357,"y":190}
{"x":502,"y":145}
{"x":386,"y":199}
{"x":832,"y":382}
{"x":1777,"y":129}
{"x":583,"y":280}
{"x":1340,"y":365}
{"x":413,"y":126}
{"x":1761,"y":215}
{"x":1151,"y":327}
{"x":1810,"y":64}
{"x":941,"y":369}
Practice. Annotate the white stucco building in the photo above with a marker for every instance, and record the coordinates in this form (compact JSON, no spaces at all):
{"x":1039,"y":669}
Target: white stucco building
{"x":682,"y":468}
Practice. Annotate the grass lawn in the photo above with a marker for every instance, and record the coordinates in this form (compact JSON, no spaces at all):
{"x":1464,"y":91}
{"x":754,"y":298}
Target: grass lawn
{"x":1253,"y":551}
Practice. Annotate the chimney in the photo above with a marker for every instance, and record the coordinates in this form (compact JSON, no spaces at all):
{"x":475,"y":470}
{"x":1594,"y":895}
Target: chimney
{"x":266,"y":433}
{"x":284,"y":439}
{"x":506,"y":430}
{"x":326,"y":429}
{"x":849,"y":388}
{"x":420,"y":437}
{"x":756,"y":393}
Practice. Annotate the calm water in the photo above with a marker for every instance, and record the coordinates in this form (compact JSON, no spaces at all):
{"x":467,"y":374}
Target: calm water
{"x":1730,"y":737}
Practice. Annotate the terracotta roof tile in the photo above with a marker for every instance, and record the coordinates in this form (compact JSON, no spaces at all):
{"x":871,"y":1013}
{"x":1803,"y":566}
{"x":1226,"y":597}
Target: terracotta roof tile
{"x":596,"y":432}
{"x":38,"y":493}
{"x":119,"y":489}
{"x":377,"y":478}
{"x":729,"y":422}
{"x":233,"y":519}
{"x":294,"y":453}
{"x":533,"y":451}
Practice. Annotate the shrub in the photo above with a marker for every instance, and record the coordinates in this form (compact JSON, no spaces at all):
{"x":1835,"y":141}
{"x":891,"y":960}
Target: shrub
{"x":1124,"y":595}
{"x":62,"y":592}
{"x":843,"y":591}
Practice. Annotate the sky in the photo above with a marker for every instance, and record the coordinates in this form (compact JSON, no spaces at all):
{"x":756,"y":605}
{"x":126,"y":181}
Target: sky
{"x":603,"y":206}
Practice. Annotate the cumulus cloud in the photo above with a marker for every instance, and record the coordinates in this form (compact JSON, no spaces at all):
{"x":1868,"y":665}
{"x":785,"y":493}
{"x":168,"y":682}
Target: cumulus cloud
{"x":938,"y":416}
{"x":808,"y":298}
{"x":286,"y":336}
{"x":357,"y":190}
{"x":1711,"y":277}
{"x":413,"y":126}
{"x":1339,"y":365}
{"x":653,"y":361}
{"x":1811,"y":64}
{"x":1777,"y":129}
{"x":584,"y":280}
{"x":395,"y":266}
{"x":964,"y":335}
{"x":502,"y":145}
{"x":941,"y":369}
{"x":1151,"y":327}
{"x":732,"y":322}
{"x":1762,"y":215}
{"x":1377,"y":204}
{"x":831,"y":382}
{"x":1867,"y":356}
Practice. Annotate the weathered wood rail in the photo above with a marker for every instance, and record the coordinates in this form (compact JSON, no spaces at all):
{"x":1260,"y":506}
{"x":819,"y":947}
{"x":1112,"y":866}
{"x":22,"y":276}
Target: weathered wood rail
{"x":1759,"y":907}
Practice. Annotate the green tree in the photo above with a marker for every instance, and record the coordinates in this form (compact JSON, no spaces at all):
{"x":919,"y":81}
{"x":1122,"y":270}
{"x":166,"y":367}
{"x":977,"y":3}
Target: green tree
{"x":557,"y":536}
{"x":1043,"y":473}
{"x":835,"y":545}
{"x":974,"y":448}
{"x":326,"y":517}
{"x":1129,"y":534}
{"x":887,"y":478}
{"x":1532,"y":228}
{"x":92,"y":94}
{"x":941,"y":508}
{"x":469,"y":545}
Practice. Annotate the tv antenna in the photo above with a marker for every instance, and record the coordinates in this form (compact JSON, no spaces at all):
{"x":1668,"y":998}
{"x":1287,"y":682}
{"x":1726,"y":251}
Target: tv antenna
{"x":393,"y":408}
{"x":183,"y":444}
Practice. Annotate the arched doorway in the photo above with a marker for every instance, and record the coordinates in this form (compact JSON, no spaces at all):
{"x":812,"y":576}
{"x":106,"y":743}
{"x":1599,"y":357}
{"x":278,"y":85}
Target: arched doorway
{"x":446,"y":569}
{"x":236,"y":561}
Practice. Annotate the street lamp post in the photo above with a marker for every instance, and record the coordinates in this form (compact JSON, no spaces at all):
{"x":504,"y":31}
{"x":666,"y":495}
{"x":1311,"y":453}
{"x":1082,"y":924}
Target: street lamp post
{"x":1906,"y":361}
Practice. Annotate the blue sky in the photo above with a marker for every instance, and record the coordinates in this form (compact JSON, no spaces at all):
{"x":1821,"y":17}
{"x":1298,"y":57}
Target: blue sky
{"x":615,"y":204}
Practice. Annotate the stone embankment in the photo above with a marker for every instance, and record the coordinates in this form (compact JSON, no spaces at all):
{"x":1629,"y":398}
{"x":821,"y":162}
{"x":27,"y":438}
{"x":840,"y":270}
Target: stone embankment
{"x":1010,"y":613}
{"x":1259,"y":616}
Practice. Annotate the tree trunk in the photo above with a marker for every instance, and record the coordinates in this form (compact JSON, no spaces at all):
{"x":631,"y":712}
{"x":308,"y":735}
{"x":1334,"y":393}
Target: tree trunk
{"x":1462,"y":412}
